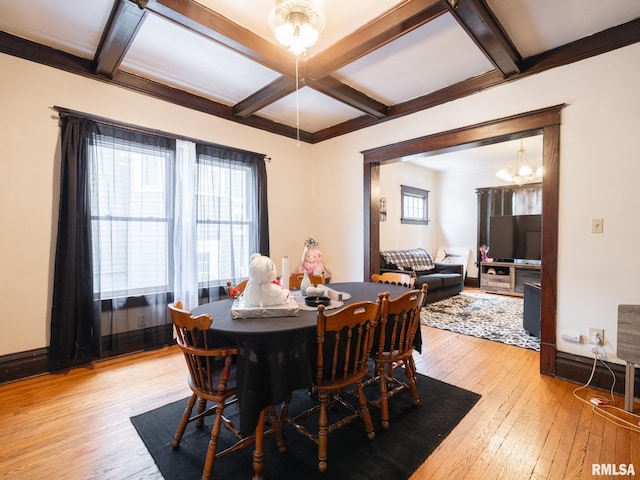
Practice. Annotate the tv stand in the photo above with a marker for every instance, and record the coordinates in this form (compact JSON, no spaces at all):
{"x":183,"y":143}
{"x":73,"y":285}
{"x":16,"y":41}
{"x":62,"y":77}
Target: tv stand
{"x":507,"y":278}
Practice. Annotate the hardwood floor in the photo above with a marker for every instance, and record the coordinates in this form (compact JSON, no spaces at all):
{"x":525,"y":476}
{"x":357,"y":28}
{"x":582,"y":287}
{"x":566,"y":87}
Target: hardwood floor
{"x":526,"y":425}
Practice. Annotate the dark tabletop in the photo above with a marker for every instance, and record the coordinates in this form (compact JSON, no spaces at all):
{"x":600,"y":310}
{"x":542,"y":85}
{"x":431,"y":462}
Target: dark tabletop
{"x":275,"y":354}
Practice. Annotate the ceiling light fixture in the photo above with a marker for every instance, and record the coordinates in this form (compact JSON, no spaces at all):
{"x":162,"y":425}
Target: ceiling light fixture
{"x":297,"y":24}
{"x":521,"y":171}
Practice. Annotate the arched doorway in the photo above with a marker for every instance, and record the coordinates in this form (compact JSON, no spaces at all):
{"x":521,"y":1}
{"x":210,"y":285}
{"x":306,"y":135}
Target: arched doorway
{"x":545,"y":122}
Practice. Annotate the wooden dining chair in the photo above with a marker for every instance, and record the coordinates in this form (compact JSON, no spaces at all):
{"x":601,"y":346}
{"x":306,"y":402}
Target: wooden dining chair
{"x":233,"y":292}
{"x":212,"y":378}
{"x":344,"y":341}
{"x":399,"y":321}
{"x":296,"y":279}
{"x":395,"y":278}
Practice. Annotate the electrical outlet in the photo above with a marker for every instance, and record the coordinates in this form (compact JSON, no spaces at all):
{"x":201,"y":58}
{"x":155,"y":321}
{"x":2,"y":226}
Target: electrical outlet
{"x":596,"y":331}
{"x":142,"y":320}
{"x":600,"y":353}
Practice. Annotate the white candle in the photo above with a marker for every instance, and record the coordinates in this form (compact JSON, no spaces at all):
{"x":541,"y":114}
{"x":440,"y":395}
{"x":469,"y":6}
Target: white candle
{"x":284,"y":280}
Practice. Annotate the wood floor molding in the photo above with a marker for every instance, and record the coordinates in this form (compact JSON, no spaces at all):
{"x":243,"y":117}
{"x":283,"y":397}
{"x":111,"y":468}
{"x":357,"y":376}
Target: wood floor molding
{"x":16,"y":366}
{"x":21,"y":365}
{"x":576,"y":368}
{"x":525,"y":426}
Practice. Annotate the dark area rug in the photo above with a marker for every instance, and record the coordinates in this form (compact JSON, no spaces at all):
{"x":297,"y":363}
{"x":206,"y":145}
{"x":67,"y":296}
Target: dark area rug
{"x":393,"y":455}
{"x":493,"y":317}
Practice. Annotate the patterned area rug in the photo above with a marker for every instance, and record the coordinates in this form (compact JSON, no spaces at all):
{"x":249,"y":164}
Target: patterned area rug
{"x":486,"y":316}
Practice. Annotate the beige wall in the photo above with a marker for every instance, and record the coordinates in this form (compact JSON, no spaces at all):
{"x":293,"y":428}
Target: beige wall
{"x":393,"y":234}
{"x":598,"y":179}
{"x":458,"y":208}
{"x":452,"y":208}
{"x":30,"y":162}
{"x":317,"y":190}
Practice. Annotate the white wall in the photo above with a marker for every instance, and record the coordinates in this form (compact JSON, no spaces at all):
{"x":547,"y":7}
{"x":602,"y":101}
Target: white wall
{"x":393,"y":234}
{"x":452,"y":207}
{"x":30,"y":163}
{"x":458,"y":208}
{"x":598,"y":178}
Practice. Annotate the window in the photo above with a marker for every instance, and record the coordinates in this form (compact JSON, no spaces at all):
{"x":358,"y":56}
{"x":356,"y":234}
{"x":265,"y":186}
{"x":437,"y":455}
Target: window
{"x":226,"y":219}
{"x":145,"y":220}
{"x":415,"y":205}
{"x":131,"y":211}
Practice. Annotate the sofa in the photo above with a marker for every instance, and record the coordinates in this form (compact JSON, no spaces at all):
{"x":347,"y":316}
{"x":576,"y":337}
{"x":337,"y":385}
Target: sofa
{"x":444,"y":279}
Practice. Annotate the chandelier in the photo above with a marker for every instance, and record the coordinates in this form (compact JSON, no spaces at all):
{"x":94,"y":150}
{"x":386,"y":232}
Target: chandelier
{"x":521,"y":171}
{"x":297,"y":24}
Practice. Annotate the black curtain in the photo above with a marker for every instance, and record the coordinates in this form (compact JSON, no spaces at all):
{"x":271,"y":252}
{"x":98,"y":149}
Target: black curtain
{"x":75,"y":326}
{"x":79,"y":333}
{"x":263,"y":207}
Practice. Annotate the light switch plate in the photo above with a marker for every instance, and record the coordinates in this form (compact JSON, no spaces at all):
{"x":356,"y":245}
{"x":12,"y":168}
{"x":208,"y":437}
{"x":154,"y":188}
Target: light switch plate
{"x":596,"y":225}
{"x":571,"y":336}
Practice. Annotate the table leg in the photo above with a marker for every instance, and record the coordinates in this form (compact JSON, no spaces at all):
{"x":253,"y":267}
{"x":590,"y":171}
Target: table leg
{"x":258,"y":451}
{"x":629,"y":379}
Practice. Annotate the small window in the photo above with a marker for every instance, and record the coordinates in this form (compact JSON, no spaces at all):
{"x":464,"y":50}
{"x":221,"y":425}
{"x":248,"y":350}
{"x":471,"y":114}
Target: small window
{"x":415,"y":205}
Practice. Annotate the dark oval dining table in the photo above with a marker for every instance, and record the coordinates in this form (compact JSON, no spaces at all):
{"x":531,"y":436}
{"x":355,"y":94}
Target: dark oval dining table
{"x":276,"y":354}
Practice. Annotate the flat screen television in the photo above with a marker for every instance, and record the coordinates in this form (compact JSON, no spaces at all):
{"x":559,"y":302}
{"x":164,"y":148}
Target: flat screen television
{"x":515,"y":237}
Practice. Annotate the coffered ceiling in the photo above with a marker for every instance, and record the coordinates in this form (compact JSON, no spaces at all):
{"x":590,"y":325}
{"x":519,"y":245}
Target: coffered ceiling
{"x":374,"y":61}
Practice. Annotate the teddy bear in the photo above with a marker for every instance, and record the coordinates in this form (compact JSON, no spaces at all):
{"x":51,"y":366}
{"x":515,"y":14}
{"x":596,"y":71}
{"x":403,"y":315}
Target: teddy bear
{"x":263,"y":289}
{"x":312,"y":262}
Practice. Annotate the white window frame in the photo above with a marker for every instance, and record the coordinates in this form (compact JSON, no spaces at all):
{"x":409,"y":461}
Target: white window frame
{"x":415,"y":205}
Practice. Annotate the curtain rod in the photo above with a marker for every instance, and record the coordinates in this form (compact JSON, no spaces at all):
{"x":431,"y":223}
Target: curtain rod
{"x":136,"y":128}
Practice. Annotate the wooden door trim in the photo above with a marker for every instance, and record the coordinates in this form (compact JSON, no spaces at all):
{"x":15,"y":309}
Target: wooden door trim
{"x":545,"y":121}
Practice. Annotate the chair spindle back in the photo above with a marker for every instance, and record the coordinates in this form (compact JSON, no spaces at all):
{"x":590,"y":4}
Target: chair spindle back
{"x":345,"y":339}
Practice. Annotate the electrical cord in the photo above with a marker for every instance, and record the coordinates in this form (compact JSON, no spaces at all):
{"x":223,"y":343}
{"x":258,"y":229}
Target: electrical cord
{"x":600,"y":404}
